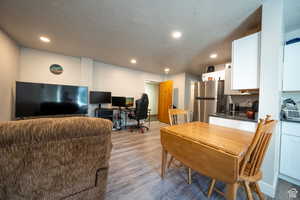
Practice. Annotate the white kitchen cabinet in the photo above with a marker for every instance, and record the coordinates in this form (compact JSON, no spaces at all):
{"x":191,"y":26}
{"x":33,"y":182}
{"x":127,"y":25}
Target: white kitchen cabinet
{"x":290,"y":147}
{"x":245,"y":62}
{"x":230,"y":123}
{"x":228,"y":89}
{"x":291,"y":69}
{"x":290,"y":162}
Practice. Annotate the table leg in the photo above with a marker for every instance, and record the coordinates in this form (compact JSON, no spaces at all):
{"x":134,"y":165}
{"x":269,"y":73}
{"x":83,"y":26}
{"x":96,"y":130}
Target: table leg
{"x":149,"y":118}
{"x":126,"y":116}
{"x":258,"y":191}
{"x":163,"y":162}
{"x":248,"y":191}
{"x":211,"y":188}
{"x":189,"y":176}
{"x":231,"y":191}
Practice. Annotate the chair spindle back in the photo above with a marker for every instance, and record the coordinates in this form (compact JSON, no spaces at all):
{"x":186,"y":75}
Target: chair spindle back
{"x":174,"y":115}
{"x":257,"y":150}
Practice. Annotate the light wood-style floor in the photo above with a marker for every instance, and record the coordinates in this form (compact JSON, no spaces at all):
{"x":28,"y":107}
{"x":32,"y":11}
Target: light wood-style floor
{"x":135,"y":172}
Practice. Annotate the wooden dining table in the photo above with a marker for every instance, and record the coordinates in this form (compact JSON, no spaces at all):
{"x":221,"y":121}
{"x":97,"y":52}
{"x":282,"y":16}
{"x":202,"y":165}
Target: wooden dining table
{"x":211,"y":150}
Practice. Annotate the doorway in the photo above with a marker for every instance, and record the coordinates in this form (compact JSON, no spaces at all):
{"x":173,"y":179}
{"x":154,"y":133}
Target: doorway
{"x":152,"y":90}
{"x":165,"y":100}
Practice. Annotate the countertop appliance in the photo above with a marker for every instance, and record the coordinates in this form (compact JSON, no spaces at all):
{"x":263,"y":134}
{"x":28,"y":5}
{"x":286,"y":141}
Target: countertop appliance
{"x":290,"y":110}
{"x":209,"y":98}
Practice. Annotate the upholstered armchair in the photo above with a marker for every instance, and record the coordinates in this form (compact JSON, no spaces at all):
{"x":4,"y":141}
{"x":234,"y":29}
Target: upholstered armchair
{"x":54,"y":158}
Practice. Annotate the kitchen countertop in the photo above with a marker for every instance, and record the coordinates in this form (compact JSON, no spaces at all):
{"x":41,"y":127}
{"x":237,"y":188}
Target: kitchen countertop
{"x":237,"y":116}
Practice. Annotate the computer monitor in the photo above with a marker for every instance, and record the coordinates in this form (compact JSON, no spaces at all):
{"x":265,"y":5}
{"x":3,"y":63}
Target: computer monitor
{"x":97,"y":97}
{"x":129,"y":101}
{"x":118,"y":101}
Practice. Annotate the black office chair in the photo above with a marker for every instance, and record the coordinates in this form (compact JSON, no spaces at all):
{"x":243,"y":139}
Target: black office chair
{"x":141,"y":112}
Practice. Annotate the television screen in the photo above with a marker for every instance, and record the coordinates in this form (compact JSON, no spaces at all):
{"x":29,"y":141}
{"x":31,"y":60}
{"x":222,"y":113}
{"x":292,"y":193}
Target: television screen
{"x":35,"y":99}
{"x":100,"y":97}
{"x":118,"y":101}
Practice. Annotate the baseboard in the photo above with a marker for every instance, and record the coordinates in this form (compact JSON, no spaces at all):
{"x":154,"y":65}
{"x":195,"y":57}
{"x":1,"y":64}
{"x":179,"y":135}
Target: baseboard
{"x":268,"y":189}
{"x":289,"y":179}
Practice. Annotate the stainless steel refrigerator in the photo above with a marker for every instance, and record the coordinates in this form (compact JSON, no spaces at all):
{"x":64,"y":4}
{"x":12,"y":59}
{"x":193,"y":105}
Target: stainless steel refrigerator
{"x":208,"y":99}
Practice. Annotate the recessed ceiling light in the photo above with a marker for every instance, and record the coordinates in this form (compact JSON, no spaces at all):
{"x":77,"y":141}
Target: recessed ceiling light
{"x":45,"y":39}
{"x":213,"y":55}
{"x":167,"y":70}
{"x":176,"y":34}
{"x":133,"y":61}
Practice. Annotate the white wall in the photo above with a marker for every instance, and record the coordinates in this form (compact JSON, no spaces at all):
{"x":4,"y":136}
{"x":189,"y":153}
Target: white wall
{"x":87,"y":69}
{"x":189,"y":98}
{"x":86,"y":73}
{"x":152,"y":89}
{"x":179,"y":89}
{"x":121,"y":81}
{"x":189,"y":79}
{"x":272,"y":36}
{"x":34,"y":67}
{"x":9,"y":62}
{"x":182,"y":84}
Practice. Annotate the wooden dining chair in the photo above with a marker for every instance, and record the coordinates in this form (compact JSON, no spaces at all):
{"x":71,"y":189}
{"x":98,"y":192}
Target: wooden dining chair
{"x":250,"y":172}
{"x":174,"y":118}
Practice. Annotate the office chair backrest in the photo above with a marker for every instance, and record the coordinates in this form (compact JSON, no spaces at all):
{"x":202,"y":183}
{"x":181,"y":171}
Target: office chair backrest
{"x":142,"y":107}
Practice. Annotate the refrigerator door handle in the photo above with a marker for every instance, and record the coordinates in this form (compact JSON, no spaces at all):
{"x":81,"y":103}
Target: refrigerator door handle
{"x":205,"y":98}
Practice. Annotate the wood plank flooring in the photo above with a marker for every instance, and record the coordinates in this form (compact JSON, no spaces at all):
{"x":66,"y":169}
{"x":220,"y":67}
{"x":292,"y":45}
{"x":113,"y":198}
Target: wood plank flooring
{"x":135,"y":171}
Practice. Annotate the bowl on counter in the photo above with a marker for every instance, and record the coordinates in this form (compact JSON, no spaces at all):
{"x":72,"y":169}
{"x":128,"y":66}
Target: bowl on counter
{"x":250,"y":114}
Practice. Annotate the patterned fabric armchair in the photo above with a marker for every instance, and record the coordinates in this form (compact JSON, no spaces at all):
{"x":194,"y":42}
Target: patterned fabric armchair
{"x":54,"y":158}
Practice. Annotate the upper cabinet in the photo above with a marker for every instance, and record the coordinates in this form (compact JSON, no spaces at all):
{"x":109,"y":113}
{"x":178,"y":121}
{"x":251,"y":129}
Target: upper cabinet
{"x":228,"y":89}
{"x":291,"y":69}
{"x":245,"y":62}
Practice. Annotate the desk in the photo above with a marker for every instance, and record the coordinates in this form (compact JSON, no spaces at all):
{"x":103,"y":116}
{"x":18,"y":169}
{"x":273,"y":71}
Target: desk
{"x":121,"y":110}
{"x":214,"y":151}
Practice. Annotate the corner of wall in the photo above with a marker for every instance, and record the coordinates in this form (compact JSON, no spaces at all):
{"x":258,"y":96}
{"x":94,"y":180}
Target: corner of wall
{"x":268,"y":189}
{"x":9,"y":66}
{"x":271,"y":58}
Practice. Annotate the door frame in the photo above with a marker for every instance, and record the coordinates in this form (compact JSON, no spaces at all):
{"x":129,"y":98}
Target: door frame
{"x":156,"y":82}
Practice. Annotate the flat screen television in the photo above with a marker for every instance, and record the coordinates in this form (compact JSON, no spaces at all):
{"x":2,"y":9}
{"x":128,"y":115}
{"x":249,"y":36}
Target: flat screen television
{"x":118,"y":101}
{"x":36,"y":99}
{"x":100,"y":97}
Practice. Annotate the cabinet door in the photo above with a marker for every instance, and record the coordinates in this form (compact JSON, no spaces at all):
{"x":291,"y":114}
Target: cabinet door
{"x":227,"y":89}
{"x":245,"y":62}
{"x":290,"y":160}
{"x":291,"y":69}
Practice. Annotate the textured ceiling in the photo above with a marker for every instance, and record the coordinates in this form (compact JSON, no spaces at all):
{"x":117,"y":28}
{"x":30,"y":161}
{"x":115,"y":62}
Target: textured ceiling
{"x":114,"y":31}
{"x":292,"y":15}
